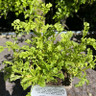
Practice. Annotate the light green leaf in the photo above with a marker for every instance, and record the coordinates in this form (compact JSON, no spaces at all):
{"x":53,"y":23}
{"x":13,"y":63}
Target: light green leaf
{"x":1,"y":49}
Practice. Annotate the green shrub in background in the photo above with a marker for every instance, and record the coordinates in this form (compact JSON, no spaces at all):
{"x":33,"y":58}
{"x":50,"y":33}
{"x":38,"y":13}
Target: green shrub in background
{"x":63,"y":8}
{"x":68,"y":7}
{"x":42,"y":60}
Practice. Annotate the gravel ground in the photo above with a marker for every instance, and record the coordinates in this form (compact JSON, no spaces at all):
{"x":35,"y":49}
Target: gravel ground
{"x":85,"y":90}
{"x":14,"y":89}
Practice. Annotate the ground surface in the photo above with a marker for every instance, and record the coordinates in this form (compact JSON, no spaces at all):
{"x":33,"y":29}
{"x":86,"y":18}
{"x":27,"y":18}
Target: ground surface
{"x":14,"y":89}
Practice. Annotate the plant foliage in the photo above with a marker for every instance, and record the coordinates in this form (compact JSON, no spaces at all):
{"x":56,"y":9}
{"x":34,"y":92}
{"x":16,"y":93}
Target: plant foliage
{"x":64,"y":8}
{"x":42,"y":59}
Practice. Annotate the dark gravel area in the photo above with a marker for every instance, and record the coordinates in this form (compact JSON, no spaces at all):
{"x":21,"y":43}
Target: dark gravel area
{"x":14,"y":89}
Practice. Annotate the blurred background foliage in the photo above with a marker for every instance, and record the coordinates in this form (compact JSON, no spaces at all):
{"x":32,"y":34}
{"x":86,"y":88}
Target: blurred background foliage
{"x":73,"y":21}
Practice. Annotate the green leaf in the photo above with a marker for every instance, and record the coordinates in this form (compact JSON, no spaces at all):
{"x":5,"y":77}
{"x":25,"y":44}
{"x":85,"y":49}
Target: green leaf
{"x":14,"y":77}
{"x":41,"y":81}
{"x":8,"y":62}
{"x":86,"y":29}
{"x":1,"y":49}
{"x":58,"y":27}
{"x":55,"y":70}
{"x":24,"y":54}
{"x":61,"y":75}
{"x":26,"y":82}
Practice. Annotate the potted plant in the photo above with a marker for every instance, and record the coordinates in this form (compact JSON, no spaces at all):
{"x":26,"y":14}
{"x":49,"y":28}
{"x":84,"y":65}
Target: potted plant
{"x":43,"y":61}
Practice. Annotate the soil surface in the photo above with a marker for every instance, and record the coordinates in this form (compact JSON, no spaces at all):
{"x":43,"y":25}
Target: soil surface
{"x":14,"y":89}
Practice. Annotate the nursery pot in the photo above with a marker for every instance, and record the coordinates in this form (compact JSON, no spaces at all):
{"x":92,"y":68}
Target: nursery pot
{"x":50,"y":90}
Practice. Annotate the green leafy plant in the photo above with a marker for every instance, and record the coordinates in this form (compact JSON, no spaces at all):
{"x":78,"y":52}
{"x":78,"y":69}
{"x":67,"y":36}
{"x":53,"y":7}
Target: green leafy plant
{"x":63,"y":8}
{"x":42,"y":60}
{"x":66,"y":8}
